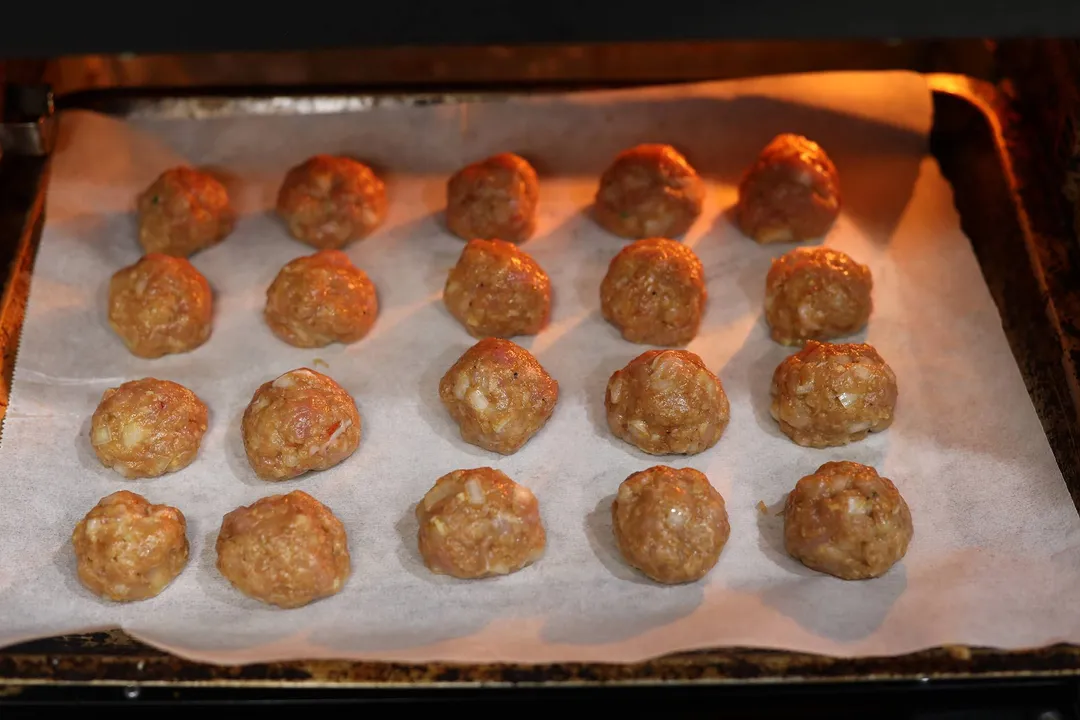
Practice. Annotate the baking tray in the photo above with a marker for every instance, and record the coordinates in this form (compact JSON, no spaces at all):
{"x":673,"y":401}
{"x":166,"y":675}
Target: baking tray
{"x":1028,"y":254}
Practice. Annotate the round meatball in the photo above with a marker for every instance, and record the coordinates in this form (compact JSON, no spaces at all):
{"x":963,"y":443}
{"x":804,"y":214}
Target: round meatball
{"x":328,"y":202}
{"x":298,"y":422}
{"x":494,"y":198}
{"x":816,"y":294}
{"x":128,"y":549}
{"x":790,"y":194}
{"x":649,"y":191}
{"x":284,"y":550}
{"x":496,"y":290}
{"x":670,"y":524}
{"x":146,"y":428}
{"x":666,"y":402}
{"x":499,"y":395}
{"x":828,"y":395}
{"x":847,"y":521}
{"x":321,"y":299}
{"x":654,"y":292}
{"x":479,"y":523}
{"x":182,"y":212}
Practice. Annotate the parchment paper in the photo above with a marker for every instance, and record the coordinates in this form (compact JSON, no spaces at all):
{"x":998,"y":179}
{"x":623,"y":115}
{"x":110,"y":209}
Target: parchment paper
{"x":994,"y":560}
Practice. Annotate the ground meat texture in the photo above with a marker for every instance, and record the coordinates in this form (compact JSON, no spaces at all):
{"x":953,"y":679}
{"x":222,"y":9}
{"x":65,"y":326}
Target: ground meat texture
{"x":649,"y":191}
{"x":828,"y":395}
{"x":654,"y":292}
{"x":790,"y":194}
{"x":298,"y":422}
{"x":497,"y":290}
{"x":847,"y":521}
{"x":284,"y":550}
{"x":182,"y":212}
{"x":146,"y":428}
{"x":493,"y":199}
{"x":666,"y":402}
{"x":479,"y":523}
{"x":816,"y":294}
{"x":128,"y":549}
{"x":159,"y":306}
{"x":499,"y":395}
{"x":321,"y":299}
{"x":328,"y":202}
{"x":670,"y":524}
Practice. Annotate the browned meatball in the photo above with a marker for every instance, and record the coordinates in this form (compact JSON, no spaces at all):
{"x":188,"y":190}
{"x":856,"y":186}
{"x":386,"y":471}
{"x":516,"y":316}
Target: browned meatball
{"x":128,"y":549}
{"x":328,"y":201}
{"x":666,"y":402}
{"x":847,"y":521}
{"x":816,"y":294}
{"x":479,"y":523}
{"x":182,"y":212}
{"x":149,"y":427}
{"x":298,"y":422}
{"x":321,"y":299}
{"x":499,"y":395}
{"x":497,"y":290}
{"x":827,"y":395}
{"x":284,"y":550}
{"x":649,"y":191}
{"x":493,"y":198}
{"x":160,"y":305}
{"x":790,"y":194}
{"x":654,"y":292}
{"x":670,"y":524}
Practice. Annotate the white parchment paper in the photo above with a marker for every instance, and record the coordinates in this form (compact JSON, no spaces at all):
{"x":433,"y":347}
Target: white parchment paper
{"x":995,"y":551}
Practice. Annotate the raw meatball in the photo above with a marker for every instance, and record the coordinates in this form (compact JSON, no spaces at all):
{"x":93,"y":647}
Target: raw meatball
{"x":666,"y":402}
{"x":827,"y":395}
{"x":816,"y":294}
{"x":499,"y":395}
{"x":670,"y":524}
{"x":300,"y":421}
{"x":328,"y":202}
{"x":149,"y":427}
{"x":128,"y":549}
{"x":160,"y":305}
{"x":479,"y":523}
{"x":649,"y":191}
{"x":284,"y":550}
{"x":791,"y":193}
{"x":182,"y":212}
{"x":654,"y":292}
{"x":321,"y":299}
{"x":496,"y":290}
{"x":847,"y":521}
{"x":494,"y":198}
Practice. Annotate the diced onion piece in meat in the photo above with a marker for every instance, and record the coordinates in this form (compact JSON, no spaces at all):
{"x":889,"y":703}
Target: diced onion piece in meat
{"x":101,"y":435}
{"x":475,"y":493}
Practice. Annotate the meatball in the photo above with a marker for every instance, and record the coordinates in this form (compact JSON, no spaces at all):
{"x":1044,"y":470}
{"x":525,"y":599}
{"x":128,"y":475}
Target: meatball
{"x":499,"y":395}
{"x":321,"y":299}
{"x":479,"y":523}
{"x":160,"y":305}
{"x":649,"y":191}
{"x":182,"y":212}
{"x":828,"y":395}
{"x":128,"y":549}
{"x":298,"y":422}
{"x":816,"y":294}
{"x":847,"y":521}
{"x":493,"y":198}
{"x":284,"y":550}
{"x":146,"y":428}
{"x":670,"y":524}
{"x":328,"y":202}
{"x":790,"y":194}
{"x":666,"y":402}
{"x":496,"y":290}
{"x":654,"y":292}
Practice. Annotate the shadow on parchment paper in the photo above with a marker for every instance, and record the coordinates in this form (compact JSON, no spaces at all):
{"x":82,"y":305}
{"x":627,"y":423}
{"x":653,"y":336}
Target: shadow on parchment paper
{"x":66,"y":564}
{"x":431,"y":407}
{"x":752,"y":367}
{"x":235,"y":455}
